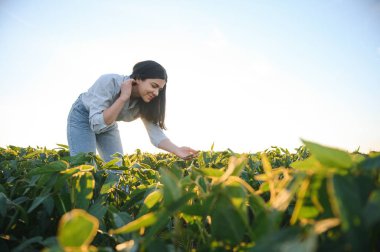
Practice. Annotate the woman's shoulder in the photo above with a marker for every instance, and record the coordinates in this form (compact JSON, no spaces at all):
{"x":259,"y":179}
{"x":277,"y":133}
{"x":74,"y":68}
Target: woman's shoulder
{"x":112,"y":79}
{"x":111,"y":76}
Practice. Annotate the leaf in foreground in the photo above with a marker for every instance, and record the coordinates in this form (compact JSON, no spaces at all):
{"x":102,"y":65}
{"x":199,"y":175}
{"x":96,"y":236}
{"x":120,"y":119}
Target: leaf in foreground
{"x":330,"y":157}
{"x":144,"y":221}
{"x":77,"y":228}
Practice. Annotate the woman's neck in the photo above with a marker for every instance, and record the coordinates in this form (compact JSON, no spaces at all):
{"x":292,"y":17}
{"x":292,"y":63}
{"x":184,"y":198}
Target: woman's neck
{"x":134,"y":93}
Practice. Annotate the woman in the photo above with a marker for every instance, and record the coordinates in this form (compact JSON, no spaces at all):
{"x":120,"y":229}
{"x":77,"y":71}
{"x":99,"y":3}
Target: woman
{"x":92,"y":121}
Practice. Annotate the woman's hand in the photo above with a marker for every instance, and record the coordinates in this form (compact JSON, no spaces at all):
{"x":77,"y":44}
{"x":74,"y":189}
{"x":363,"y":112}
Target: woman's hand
{"x":111,"y":113}
{"x":186,"y":153}
{"x":126,"y":89}
{"x":182,"y":152}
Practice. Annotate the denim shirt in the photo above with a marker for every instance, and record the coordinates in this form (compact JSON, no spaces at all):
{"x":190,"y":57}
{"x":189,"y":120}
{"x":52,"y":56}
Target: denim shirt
{"x":102,"y":94}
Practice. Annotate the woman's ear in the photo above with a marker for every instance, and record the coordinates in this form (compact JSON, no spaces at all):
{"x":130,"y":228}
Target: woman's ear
{"x":138,"y":81}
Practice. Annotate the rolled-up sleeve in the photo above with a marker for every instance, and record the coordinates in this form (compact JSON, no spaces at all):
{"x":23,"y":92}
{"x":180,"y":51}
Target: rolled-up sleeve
{"x":100,"y":97}
{"x":97,"y":123}
{"x":156,"y":135}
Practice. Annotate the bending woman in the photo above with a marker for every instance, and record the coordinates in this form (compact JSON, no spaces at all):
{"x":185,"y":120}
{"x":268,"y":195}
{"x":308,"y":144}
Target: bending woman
{"x":92,"y":121}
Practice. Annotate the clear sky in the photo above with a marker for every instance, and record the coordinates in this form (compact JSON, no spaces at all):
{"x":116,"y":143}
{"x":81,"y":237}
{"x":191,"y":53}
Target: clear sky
{"x":244,"y":75}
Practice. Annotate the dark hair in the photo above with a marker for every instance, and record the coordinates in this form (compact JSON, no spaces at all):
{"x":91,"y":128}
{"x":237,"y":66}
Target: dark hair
{"x":153,"y":111}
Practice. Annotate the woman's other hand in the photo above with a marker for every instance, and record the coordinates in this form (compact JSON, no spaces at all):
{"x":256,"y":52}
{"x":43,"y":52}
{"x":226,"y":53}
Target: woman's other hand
{"x":126,"y":89}
{"x":111,"y":113}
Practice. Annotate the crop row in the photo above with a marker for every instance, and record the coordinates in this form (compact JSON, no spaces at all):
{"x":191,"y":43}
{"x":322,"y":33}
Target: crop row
{"x":316,"y":199}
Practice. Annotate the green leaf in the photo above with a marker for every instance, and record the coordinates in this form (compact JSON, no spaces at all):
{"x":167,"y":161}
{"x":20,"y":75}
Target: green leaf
{"x":186,"y":181}
{"x":144,"y":221}
{"x":71,"y":171}
{"x":55,"y":166}
{"x":357,"y":158}
{"x":348,"y":201}
{"x":181,"y":202}
{"x":235,"y":166}
{"x":330,"y":157}
{"x":49,"y":204}
{"x":163,"y":216}
{"x":176,"y":170}
{"x":24,"y":245}
{"x":111,"y":180}
{"x":323,"y":197}
{"x":310,"y":163}
{"x":211,"y":172}
{"x":3,"y":204}
{"x":308,"y":212}
{"x":64,"y":146}
{"x":227,"y":224}
{"x":36,"y":202}
{"x":371,"y":163}
{"x":84,"y":186}
{"x":112,"y":163}
{"x":237,"y":195}
{"x":158,"y":245}
{"x":152,"y":199}
{"x":196,"y":209}
{"x":171,"y":189}
{"x":2,"y":189}
{"x":80,"y":158}
{"x":162,"y":220}
{"x":34,"y":153}
{"x":121,"y":219}
{"x":98,"y":209}
{"x":266,"y":221}
{"x":372,"y":209}
{"x":239,"y":164}
{"x":202,"y":184}
{"x":62,"y":203}
{"x":86,"y":168}
{"x":77,"y":228}
{"x":257,"y":203}
{"x":287,"y":239}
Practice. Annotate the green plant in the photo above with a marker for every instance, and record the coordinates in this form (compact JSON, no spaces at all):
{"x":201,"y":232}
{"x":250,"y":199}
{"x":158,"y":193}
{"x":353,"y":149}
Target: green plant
{"x":315,"y":199}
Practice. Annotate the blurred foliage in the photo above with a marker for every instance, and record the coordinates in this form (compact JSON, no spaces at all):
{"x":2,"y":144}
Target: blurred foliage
{"x":315,"y":199}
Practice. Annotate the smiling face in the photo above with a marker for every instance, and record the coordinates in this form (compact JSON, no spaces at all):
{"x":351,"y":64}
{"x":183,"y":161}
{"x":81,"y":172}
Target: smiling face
{"x":148,"y":89}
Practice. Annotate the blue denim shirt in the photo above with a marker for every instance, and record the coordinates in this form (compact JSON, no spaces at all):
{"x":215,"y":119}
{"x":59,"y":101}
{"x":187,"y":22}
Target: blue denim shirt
{"x":102,"y":94}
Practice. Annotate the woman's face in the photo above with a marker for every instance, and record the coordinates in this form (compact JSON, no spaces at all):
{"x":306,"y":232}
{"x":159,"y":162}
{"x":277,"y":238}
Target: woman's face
{"x":148,"y":89}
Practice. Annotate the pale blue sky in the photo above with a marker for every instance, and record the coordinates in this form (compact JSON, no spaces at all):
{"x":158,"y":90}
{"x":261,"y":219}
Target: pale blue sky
{"x":245,"y":75}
